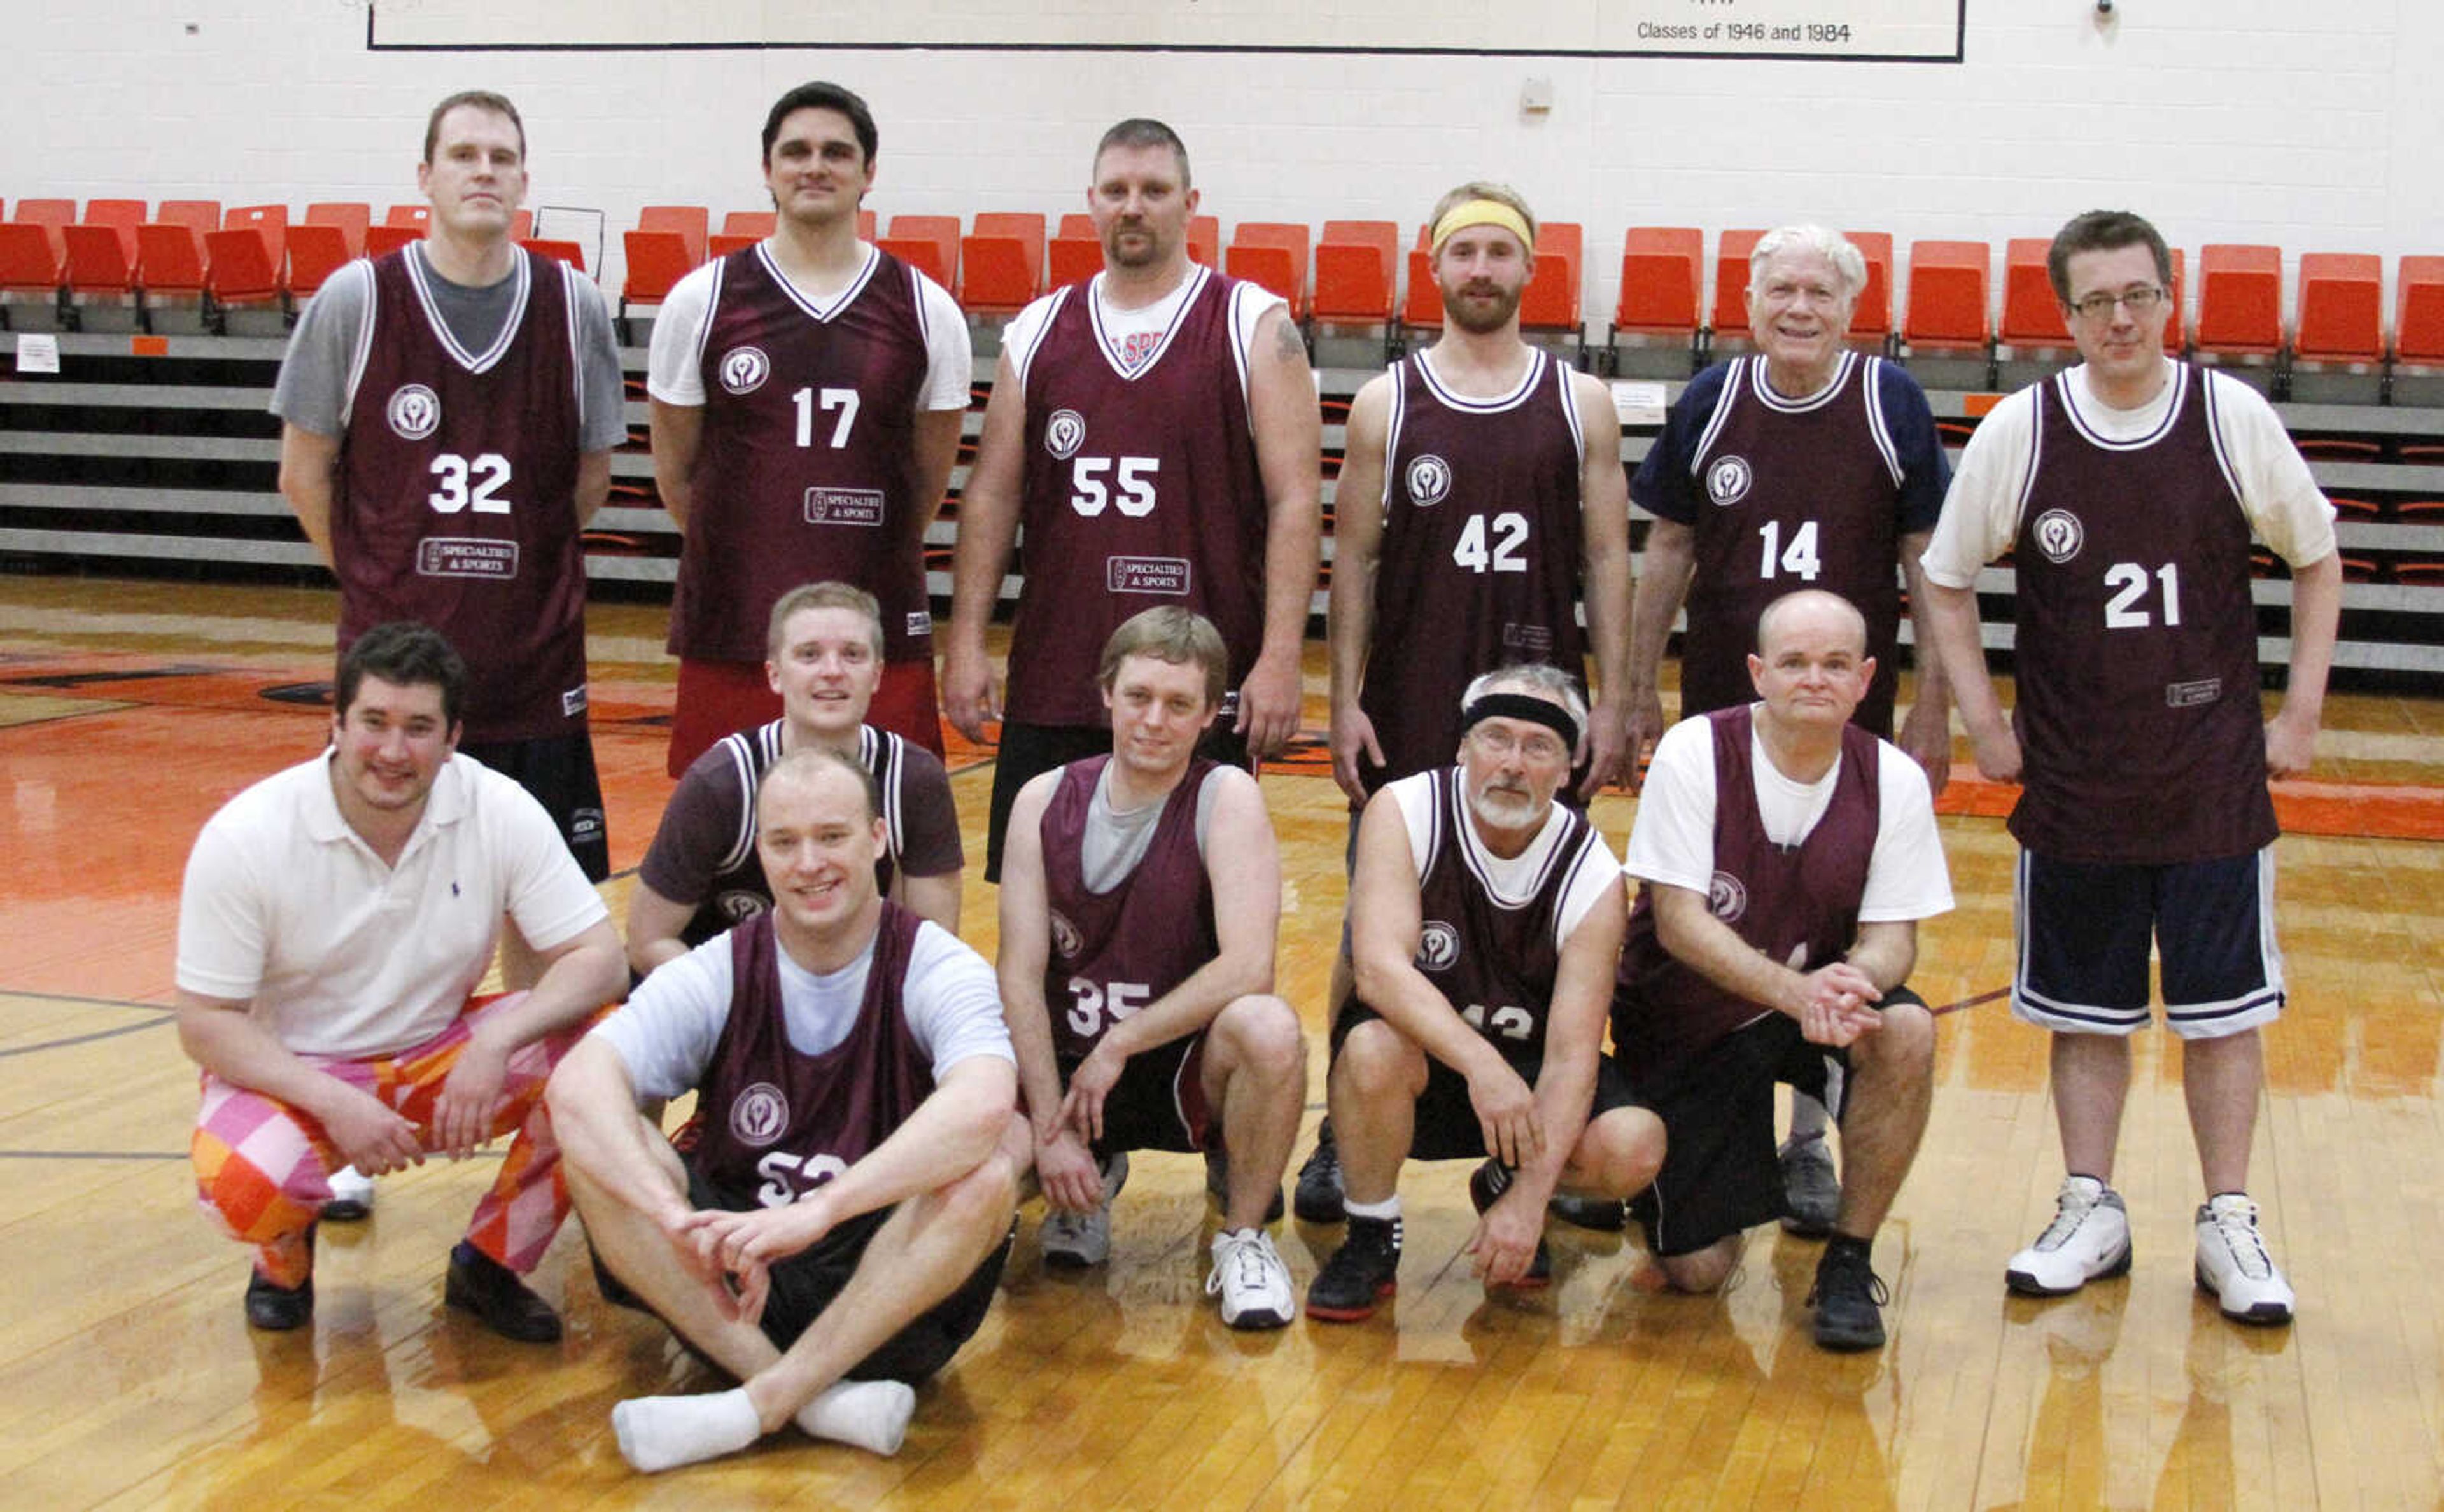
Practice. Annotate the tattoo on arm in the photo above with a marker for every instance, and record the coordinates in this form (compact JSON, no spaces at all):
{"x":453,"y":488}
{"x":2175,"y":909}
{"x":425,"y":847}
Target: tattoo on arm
{"x":1288,"y":345}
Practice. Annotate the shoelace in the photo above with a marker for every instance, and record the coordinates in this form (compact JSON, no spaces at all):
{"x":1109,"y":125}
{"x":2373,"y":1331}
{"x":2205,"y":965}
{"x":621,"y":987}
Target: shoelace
{"x":2237,"y":1227}
{"x":1247,"y":1254}
{"x":1877,"y":1291}
{"x":2070,"y":1210}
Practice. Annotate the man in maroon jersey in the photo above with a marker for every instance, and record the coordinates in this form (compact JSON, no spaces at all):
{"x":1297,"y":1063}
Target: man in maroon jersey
{"x":836,"y":1232}
{"x":1481,"y":498}
{"x":1787,"y":856}
{"x":701,"y":876}
{"x":1139,"y":913}
{"x":2128,"y":488}
{"x":450,"y":411}
{"x":1485,"y":922}
{"x":1805,"y":465}
{"x":808,"y":394}
{"x":1156,"y":431}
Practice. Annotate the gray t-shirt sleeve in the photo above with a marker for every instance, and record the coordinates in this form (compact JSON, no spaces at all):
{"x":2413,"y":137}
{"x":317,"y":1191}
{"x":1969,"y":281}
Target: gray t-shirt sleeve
{"x":312,"y":391}
{"x":601,"y":389}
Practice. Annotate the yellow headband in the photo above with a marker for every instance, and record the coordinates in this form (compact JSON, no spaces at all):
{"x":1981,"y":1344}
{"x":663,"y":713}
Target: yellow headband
{"x":1483,"y":212}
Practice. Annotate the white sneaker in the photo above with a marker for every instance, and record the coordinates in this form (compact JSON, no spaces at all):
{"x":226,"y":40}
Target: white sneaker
{"x":2088,"y":1238}
{"x":1076,"y":1241}
{"x":2234,"y":1267}
{"x":1254,"y":1283}
{"x":352,"y":1196}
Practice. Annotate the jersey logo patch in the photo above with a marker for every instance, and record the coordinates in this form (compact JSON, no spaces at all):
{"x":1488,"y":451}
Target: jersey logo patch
{"x":1163,"y":575}
{"x":1728,"y":480}
{"x":1438,"y":947}
{"x":759,"y":1115}
{"x":2059,"y":535}
{"x":1726,"y":897}
{"x":1429,"y":481}
{"x":572,"y":701}
{"x":738,"y":904}
{"x":414,"y":412}
{"x":466,"y":557}
{"x":1135,"y":348}
{"x":744,"y":369}
{"x":1066,"y":940}
{"x":863,"y":506}
{"x":920,"y":622}
{"x":1064,"y":433}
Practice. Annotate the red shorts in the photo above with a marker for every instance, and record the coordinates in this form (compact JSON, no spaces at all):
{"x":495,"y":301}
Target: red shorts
{"x":718,"y":697}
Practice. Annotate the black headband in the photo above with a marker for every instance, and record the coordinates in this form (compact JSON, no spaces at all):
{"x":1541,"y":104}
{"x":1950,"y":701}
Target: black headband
{"x":1528,"y":707}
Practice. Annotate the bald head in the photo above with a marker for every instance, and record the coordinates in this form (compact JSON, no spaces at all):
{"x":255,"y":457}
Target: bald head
{"x":1814,"y":609}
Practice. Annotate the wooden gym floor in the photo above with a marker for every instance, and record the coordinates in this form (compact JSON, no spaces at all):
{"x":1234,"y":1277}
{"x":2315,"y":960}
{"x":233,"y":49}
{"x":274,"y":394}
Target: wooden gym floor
{"x":128,"y":711}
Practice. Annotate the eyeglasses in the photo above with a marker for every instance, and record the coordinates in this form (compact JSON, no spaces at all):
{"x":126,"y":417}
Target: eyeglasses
{"x":2137,"y":300}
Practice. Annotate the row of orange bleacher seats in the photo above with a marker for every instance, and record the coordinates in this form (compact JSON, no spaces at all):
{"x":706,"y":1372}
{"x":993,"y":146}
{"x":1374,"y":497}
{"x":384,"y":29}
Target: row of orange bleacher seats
{"x":1349,"y":275}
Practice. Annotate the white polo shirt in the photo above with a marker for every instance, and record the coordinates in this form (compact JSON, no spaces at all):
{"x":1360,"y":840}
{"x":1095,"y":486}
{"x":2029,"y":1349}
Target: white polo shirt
{"x":287,"y":909}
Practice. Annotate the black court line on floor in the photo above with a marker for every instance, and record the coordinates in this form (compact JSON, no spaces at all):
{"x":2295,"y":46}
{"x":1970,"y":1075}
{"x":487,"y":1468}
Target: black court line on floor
{"x":88,"y":1038}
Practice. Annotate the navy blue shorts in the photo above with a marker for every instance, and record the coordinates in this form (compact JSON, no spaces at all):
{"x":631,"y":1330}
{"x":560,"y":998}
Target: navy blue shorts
{"x":2085,"y":929}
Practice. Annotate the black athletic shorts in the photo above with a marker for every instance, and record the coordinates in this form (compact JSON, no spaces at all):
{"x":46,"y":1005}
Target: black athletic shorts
{"x":1447,"y":1127}
{"x":1030,"y":750}
{"x":559,"y":771}
{"x":1722,"y":1169}
{"x":1158,"y":1102}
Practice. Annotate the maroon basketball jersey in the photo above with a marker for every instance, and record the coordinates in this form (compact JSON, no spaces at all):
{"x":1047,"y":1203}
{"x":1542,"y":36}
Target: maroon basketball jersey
{"x":1114,"y":952}
{"x":456,"y":501}
{"x":807,"y":467}
{"x":1141,"y":490}
{"x":1480,"y":559}
{"x":777,"y":1123}
{"x":2140,"y":732}
{"x":1796,"y":906}
{"x":1799,"y":493}
{"x":739,"y":887}
{"x":1494,"y":963}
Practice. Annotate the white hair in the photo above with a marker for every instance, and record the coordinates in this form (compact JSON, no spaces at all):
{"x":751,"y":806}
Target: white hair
{"x":1849,"y":263}
{"x":1535,"y":678}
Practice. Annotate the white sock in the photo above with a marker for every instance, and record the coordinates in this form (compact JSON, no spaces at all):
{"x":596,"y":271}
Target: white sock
{"x":659,"y":1432}
{"x":871,"y":1415}
{"x":1388,"y":1208}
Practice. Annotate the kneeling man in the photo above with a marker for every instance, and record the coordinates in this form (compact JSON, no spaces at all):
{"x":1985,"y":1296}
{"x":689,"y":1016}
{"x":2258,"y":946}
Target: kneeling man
{"x":834,"y":1235}
{"x":1140,"y":893}
{"x":1485,"y":922}
{"x":1787,"y":857}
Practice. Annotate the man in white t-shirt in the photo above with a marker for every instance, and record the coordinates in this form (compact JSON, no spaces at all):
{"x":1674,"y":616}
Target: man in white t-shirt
{"x":807,"y":395}
{"x":834,"y":1229}
{"x":335,"y":918}
{"x":1787,"y":856}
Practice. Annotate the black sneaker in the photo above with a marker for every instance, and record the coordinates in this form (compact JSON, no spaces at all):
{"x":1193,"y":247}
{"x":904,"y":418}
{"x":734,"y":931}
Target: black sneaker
{"x":277,"y":1309}
{"x":1812,"y":1192}
{"x":482,"y":1285}
{"x":1848,"y":1296}
{"x":1317,"y":1199}
{"x":1217,"y":1185}
{"x":1486,"y":1184}
{"x":1361,"y":1272}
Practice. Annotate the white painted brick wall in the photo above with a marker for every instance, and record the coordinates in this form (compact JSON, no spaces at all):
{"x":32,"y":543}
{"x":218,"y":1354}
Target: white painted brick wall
{"x":2315,"y":127}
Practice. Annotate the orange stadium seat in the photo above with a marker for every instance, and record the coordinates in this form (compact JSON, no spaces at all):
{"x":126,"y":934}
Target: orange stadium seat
{"x":315,"y":253}
{"x":1871,"y":318}
{"x":27,"y":264}
{"x":1948,"y":301}
{"x":1729,"y":315}
{"x":1289,"y":281}
{"x":2341,"y":307}
{"x":941,"y":230}
{"x":1077,"y":223}
{"x":170,"y":260}
{"x":921,"y":253}
{"x":380,"y":239}
{"x":1355,"y":263}
{"x":2240,"y":300}
{"x":419,"y":217}
{"x":2031,"y":315}
{"x":239,"y":267}
{"x":758,"y":224}
{"x":1551,"y":299}
{"x":199,"y":215}
{"x":51,"y":214}
{"x":1661,"y":279}
{"x":690,"y":222}
{"x":865,"y":231}
{"x":123,"y":216}
{"x":521,"y":226}
{"x":2176,"y":332}
{"x":97,"y":261}
{"x":656,"y":260}
{"x":573,"y":254}
{"x":272,"y":220}
{"x":1421,"y":308}
{"x":1204,"y":239}
{"x":349,"y":217}
{"x":721,"y":243}
{"x":1072,"y":259}
{"x":999,"y":274}
{"x":2418,"y":312}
